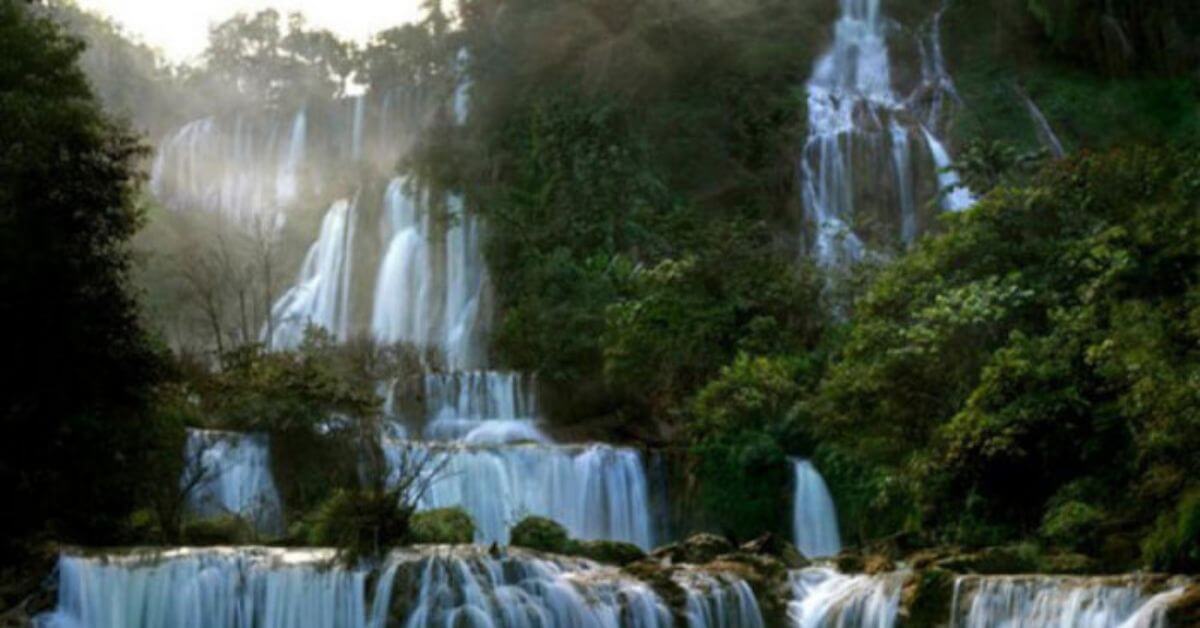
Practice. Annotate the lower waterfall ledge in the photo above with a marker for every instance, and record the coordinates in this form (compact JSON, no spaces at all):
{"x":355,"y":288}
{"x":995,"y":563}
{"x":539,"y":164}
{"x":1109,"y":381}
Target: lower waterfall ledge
{"x":475,"y":585}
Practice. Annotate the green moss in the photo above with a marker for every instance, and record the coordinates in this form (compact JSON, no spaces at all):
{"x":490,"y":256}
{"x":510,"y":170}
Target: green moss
{"x":540,"y":533}
{"x":444,"y":525}
{"x":607,"y":552}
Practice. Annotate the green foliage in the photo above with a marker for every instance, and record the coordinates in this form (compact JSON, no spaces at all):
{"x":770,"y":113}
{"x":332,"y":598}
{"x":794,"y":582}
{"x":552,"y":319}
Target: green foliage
{"x":628,"y":160}
{"x":442,"y":526}
{"x":1174,"y":543}
{"x":1018,"y":353}
{"x":540,"y":533}
{"x":75,"y":406}
{"x":1072,"y":525}
{"x":361,"y":523}
{"x":739,"y":423}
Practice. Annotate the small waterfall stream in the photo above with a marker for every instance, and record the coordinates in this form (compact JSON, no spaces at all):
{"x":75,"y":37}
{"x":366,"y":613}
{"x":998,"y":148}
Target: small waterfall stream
{"x":858,"y":154}
{"x":230,"y":474}
{"x":814,"y":518}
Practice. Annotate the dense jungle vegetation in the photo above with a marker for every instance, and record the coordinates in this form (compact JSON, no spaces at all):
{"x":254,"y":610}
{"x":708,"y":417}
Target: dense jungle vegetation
{"x":1027,"y":372}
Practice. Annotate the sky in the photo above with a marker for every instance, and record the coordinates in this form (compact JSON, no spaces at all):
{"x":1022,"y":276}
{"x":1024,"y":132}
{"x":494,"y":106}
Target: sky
{"x":179,"y":28}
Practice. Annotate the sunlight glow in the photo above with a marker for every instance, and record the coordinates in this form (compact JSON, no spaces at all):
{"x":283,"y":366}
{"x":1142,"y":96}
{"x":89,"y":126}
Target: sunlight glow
{"x":180,"y":28}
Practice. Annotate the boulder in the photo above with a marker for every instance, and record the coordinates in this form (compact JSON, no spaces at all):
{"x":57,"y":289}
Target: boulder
{"x":849,"y":561}
{"x":877,"y":564}
{"x":607,"y":552}
{"x":1008,"y":559}
{"x":698,"y":549}
{"x":1072,"y":564}
{"x":771,"y":545}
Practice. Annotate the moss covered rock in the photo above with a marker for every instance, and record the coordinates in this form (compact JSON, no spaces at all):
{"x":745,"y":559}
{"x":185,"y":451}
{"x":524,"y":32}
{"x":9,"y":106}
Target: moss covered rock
{"x":607,"y":552}
{"x":1007,"y":559}
{"x":541,"y":534}
{"x":442,"y":526}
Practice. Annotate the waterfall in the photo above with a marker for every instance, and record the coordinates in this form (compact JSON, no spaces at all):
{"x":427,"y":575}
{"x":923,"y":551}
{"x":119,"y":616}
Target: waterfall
{"x":823,"y":597}
{"x":1045,"y":132}
{"x":1068,"y":602}
{"x":955,"y":196}
{"x":230,"y":473}
{"x":321,"y":295}
{"x":853,"y":112}
{"x":242,"y":170}
{"x":432,"y":283}
{"x":268,"y":588}
{"x":814,"y":518}
{"x":718,"y":601}
{"x":597,"y":492}
{"x":214,"y":588}
{"x":471,"y":588}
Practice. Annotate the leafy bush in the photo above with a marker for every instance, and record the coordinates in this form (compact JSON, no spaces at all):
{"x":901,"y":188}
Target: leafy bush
{"x":1072,"y":525}
{"x":443,"y":525}
{"x":1174,"y":543}
{"x":361,"y":523}
{"x":540,"y":533}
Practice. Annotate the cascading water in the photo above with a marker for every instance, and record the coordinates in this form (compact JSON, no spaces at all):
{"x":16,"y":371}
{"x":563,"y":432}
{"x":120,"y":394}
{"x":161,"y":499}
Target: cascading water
{"x":321,"y":296}
{"x":470,"y":588}
{"x":432,"y":586}
{"x":1017,"y":601}
{"x":216,"y":588}
{"x":245,"y":171}
{"x":432,"y":287}
{"x":597,"y":492}
{"x":814,"y":518}
{"x":230,"y":473}
{"x":719,"y":601}
{"x":432,"y":293}
{"x":853,"y":112}
{"x":822,"y":597}
{"x":1045,"y":132}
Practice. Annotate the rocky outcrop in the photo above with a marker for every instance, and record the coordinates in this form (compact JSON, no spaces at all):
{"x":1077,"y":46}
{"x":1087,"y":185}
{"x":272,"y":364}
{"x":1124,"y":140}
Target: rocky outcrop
{"x":1185,"y":611}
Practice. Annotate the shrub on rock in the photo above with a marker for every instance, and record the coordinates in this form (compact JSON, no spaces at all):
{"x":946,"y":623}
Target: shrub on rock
{"x":540,"y":533}
{"x":442,"y":526}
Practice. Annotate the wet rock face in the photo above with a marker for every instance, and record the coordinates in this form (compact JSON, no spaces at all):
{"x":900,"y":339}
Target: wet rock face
{"x":1185,"y":611}
{"x":698,"y":549}
{"x":926,"y":599}
{"x":991,"y":560}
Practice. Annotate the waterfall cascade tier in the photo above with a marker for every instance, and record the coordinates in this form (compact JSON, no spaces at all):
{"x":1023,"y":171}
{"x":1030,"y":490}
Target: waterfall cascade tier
{"x":321,"y":295}
{"x":597,"y":492}
{"x":814,"y":518}
{"x":1017,"y":601}
{"x":250,"y":166}
{"x":230,"y":473}
{"x":823,"y":597}
{"x":423,"y":587}
{"x":858,"y":156}
{"x":718,"y":601}
{"x":432,"y":290}
{"x":243,"y":169}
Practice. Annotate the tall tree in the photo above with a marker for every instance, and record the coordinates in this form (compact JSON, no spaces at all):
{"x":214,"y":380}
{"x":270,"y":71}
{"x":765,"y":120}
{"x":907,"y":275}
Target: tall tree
{"x":79,"y":364}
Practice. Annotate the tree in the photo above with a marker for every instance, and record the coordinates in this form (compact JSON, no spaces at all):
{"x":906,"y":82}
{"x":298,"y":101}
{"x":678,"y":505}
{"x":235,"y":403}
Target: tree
{"x":81,"y":365}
